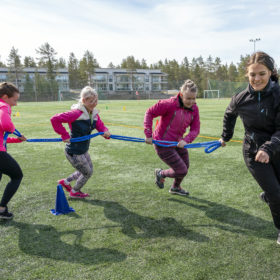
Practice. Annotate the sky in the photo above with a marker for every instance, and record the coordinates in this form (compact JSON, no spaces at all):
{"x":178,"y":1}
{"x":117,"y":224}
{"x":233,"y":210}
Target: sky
{"x":150,"y":29}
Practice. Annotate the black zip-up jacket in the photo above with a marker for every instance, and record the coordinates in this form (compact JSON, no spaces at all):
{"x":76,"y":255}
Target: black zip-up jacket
{"x":260,"y":114}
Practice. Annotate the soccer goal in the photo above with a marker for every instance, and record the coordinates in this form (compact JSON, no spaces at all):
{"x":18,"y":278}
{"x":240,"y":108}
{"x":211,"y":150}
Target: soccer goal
{"x":211,"y":93}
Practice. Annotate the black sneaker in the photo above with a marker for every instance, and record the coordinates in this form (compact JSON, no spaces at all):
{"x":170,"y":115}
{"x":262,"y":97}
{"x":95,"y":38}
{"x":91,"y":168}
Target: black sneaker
{"x":6,"y":214}
{"x":178,"y":191}
{"x":263,"y":197}
{"x":278,"y":238}
{"x":159,"y":179}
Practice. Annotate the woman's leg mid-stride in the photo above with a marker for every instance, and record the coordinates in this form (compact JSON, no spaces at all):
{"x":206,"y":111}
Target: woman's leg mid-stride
{"x":83,"y":165}
{"x":11,"y":168}
{"x":268,"y":179}
{"x":178,"y":160}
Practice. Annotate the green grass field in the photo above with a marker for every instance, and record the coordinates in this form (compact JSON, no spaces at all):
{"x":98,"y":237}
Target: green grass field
{"x":129,"y":229}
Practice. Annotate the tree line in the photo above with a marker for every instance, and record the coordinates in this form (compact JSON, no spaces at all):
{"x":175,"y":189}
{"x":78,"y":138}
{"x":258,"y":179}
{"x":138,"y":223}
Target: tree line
{"x":80,"y":71}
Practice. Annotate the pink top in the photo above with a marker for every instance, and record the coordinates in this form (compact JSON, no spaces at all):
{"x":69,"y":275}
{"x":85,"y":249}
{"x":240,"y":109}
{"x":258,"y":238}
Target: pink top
{"x":6,"y":124}
{"x":69,"y":117}
{"x":174,"y":121}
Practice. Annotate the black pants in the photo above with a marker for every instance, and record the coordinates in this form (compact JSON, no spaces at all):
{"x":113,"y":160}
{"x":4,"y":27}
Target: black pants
{"x":10,"y":167}
{"x":268,"y":177}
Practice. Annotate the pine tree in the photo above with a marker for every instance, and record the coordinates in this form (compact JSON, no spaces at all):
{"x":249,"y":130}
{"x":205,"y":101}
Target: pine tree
{"x":73,"y":70}
{"x":185,"y":69}
{"x":242,"y":68}
{"x":221,"y":73}
{"x":197,"y":77}
{"x":14,"y":65}
{"x":111,"y":65}
{"x":144,"y":64}
{"x":2,"y":64}
{"x":87,"y":68}
{"x":61,"y":63}
{"x":232,"y":73}
{"x":29,"y":62}
{"x":210,"y":68}
{"x":29,"y":92}
{"x":47,"y":59}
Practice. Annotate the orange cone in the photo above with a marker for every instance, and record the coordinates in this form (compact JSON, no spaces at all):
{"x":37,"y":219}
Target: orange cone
{"x":156,"y":124}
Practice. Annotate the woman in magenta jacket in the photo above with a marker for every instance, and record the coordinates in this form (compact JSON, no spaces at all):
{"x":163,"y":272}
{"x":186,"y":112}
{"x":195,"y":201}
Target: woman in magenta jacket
{"x":176,"y":115}
{"x":82,"y":119}
{"x":9,"y":96}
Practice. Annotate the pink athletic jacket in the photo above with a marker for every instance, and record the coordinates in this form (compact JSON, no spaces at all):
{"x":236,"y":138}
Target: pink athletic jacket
{"x":6,"y":124}
{"x":174,"y":120}
{"x":78,"y":112}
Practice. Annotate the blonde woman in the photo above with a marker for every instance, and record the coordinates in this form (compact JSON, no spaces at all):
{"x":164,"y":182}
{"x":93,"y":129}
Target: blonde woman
{"x":82,"y":119}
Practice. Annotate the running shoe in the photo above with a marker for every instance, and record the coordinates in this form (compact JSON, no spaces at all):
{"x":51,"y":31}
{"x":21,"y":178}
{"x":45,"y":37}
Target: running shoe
{"x":68,"y":188}
{"x":178,"y":191}
{"x":6,"y":215}
{"x":159,"y":179}
{"x":78,"y":194}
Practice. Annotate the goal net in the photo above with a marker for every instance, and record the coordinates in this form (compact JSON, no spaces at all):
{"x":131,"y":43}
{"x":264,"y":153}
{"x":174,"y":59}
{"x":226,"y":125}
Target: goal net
{"x":211,"y":93}
{"x":223,"y":89}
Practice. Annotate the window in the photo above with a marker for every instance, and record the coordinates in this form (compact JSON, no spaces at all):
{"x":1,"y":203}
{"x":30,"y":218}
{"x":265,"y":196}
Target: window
{"x":155,"y":87}
{"x":122,"y":86}
{"x":155,"y":79}
{"x":138,"y":78}
{"x":3,"y":77}
{"x":102,"y":87}
{"x":139,"y":86}
{"x":100,"y":78}
{"x":122,"y":78}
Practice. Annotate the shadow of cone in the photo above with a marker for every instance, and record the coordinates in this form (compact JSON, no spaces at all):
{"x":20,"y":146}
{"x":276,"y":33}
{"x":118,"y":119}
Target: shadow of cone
{"x":61,"y":204}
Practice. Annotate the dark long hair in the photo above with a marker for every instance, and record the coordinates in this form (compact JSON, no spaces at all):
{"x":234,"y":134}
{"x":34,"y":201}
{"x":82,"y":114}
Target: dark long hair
{"x":266,"y":60}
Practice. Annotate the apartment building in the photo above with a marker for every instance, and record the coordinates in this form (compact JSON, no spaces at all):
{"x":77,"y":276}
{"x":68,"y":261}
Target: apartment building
{"x":19,"y":78}
{"x":108,"y":80}
{"x":124,"y":80}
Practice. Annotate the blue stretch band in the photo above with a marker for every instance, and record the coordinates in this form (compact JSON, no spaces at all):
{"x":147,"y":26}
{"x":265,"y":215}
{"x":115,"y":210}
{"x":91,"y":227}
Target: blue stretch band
{"x":209,"y":146}
{"x":6,"y":135}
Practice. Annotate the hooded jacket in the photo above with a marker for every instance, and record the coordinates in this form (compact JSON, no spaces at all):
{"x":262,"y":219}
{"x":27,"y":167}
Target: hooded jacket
{"x":81,"y":123}
{"x":260,"y":114}
{"x":174,"y":120}
{"x":6,"y":124}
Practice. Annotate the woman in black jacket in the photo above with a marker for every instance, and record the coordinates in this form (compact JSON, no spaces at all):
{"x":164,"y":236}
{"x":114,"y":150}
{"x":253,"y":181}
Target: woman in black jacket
{"x":259,"y":109}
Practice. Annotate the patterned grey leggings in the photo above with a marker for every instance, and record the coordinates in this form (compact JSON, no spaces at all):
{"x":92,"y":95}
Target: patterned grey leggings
{"x":83,"y":165}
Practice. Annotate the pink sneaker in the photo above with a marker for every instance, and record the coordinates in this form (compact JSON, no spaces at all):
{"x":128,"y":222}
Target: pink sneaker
{"x":68,"y":188}
{"x":78,"y":194}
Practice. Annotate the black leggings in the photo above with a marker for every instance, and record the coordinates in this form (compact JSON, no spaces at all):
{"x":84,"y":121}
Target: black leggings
{"x":10,"y":167}
{"x":268,"y":177}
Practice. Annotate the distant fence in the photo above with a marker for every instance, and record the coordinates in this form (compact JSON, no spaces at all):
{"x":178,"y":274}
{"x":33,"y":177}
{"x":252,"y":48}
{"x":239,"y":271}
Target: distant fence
{"x":75,"y":95}
{"x":225,"y":88}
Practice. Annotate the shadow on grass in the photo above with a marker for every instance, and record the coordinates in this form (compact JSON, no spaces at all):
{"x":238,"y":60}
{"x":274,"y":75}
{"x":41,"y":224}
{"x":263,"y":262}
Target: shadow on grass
{"x":45,"y":241}
{"x":137,"y":226}
{"x":232,"y":219}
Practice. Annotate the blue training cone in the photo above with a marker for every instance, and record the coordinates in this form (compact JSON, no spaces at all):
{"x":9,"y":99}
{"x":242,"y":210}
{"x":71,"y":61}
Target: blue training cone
{"x":61,"y":204}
